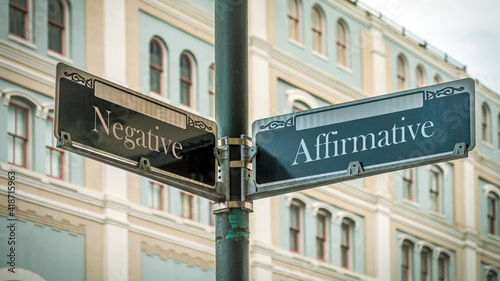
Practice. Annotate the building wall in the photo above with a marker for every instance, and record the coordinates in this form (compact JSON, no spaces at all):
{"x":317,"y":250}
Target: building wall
{"x":103,"y":217}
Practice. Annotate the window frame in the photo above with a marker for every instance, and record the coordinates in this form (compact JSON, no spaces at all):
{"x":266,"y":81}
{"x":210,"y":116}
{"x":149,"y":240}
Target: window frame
{"x":25,"y":12}
{"x":317,"y":31}
{"x":442,"y":268}
{"x":406,"y":261}
{"x":153,"y":67}
{"x":321,"y":238}
{"x":61,"y":26}
{"x":420,"y":76}
{"x":492,"y":214}
{"x":345,"y":246}
{"x":15,"y":135}
{"x":186,"y":81}
{"x":52,"y":149}
{"x":211,"y":90}
{"x":341,"y":43}
{"x":191,"y":197}
{"x":294,"y":20}
{"x":401,"y":73}
{"x":485,"y":114}
{"x":425,"y":258}
{"x":436,"y":174}
{"x":410,"y":183}
{"x":161,"y":187}
{"x":295,"y":231}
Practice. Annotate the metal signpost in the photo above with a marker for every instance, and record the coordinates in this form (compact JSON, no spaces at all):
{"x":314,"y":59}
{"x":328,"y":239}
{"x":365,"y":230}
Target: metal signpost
{"x":362,"y":138}
{"x":109,"y":123}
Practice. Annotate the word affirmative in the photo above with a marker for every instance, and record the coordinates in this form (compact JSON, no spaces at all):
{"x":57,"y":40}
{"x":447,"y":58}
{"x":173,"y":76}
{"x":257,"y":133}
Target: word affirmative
{"x":327,"y":146}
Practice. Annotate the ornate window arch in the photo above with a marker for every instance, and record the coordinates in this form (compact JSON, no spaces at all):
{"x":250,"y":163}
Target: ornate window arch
{"x":188,"y":79}
{"x":21,"y":274}
{"x":401,"y":70}
{"x":295,"y":96}
{"x":297,"y":196}
{"x":342,"y":215}
{"x":485,"y":122}
{"x":318,"y":30}
{"x":158,"y":67}
{"x":342,"y":43}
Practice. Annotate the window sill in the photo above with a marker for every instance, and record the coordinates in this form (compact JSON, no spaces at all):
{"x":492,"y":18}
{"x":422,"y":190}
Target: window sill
{"x":437,"y":214}
{"x":22,"y":41}
{"x":344,"y":68}
{"x":411,"y":202}
{"x":487,"y":144}
{"x":159,"y":97}
{"x":59,"y":57}
{"x":494,"y":237}
{"x":189,"y":109}
{"x":297,"y":43}
{"x":321,"y":56}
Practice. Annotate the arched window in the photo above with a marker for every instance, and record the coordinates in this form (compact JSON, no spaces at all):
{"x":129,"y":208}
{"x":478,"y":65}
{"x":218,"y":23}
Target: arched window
{"x":299,"y":106}
{"x":317,"y":30}
{"x":186,"y":79}
{"x":341,"y":43}
{"x":486,"y":122}
{"x":155,"y":66}
{"x":401,"y":78}
{"x":408,"y":183}
{"x":18,"y":18}
{"x":56,"y":25}
{"x":443,"y":262}
{"x":420,"y":77}
{"x":322,"y":241}
{"x":425,"y":264}
{"x":436,"y":188}
{"x":295,"y":225}
{"x":211,"y":89}
{"x":18,"y":134}
{"x":492,"y":276}
{"x":54,"y":157}
{"x":406,"y":261}
{"x":492,"y":216}
{"x":293,"y":19}
{"x":157,"y":193}
{"x":437,"y":80}
{"x":346,"y":245}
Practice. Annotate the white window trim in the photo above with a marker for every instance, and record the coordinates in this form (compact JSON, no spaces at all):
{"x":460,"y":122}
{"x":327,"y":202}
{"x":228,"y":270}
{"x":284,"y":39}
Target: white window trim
{"x":164,"y":94}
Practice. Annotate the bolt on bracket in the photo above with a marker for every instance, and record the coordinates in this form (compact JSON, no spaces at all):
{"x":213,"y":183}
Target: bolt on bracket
{"x":65,"y":140}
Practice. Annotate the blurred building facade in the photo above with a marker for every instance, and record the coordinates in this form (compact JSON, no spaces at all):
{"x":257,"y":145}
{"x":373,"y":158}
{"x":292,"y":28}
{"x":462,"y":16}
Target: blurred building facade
{"x":80,"y":218}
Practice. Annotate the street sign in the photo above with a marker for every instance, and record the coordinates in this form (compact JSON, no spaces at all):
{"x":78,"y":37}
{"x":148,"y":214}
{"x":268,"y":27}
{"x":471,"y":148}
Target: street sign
{"x":362,"y":138}
{"x":109,"y":123}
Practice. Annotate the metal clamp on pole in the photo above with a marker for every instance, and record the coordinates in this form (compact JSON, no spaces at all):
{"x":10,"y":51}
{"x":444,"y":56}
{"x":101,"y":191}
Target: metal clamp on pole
{"x":65,"y":140}
{"x":223,"y":155}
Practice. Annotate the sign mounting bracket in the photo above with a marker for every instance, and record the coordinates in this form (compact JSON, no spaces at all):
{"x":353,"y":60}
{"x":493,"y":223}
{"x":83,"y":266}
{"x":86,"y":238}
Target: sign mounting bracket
{"x":223,"y":155}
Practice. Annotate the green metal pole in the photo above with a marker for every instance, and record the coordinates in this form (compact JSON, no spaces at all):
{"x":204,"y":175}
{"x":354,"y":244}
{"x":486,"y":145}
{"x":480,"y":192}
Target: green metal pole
{"x":231,"y":115}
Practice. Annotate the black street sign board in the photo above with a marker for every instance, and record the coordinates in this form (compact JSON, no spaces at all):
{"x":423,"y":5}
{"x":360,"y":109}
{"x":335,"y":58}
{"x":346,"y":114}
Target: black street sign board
{"x":362,"y":138}
{"x":109,"y":123}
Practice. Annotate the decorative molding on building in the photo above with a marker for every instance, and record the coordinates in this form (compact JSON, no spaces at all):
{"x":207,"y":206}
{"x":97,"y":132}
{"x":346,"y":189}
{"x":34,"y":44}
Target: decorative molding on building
{"x":28,"y":58}
{"x":297,"y":196}
{"x":47,"y":220}
{"x":204,"y":264}
{"x":405,"y":237}
{"x":419,"y":244}
{"x":316,"y":206}
{"x":438,"y":251}
{"x":489,"y":268}
{"x":487,"y":188}
{"x":344,"y":214}
{"x":9,"y":93}
{"x":293,"y":95}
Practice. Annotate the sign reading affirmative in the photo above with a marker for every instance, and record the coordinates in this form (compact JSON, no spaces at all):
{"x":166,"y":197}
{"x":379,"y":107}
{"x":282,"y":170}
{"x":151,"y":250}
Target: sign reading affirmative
{"x":365,"y":137}
{"x":112,"y":124}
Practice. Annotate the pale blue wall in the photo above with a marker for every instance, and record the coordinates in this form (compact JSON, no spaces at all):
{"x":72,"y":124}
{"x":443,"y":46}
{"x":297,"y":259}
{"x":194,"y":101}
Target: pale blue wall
{"x":483,"y":212}
{"x":207,"y":5}
{"x":330,"y":16}
{"x":491,"y":150}
{"x":40,"y":29}
{"x":54,"y":255}
{"x":153,"y":268}
{"x":416,"y":262}
{"x":37,"y":132}
{"x":412,"y":62}
{"x":308,"y":242}
{"x":422,"y":192}
{"x":176,"y":42}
